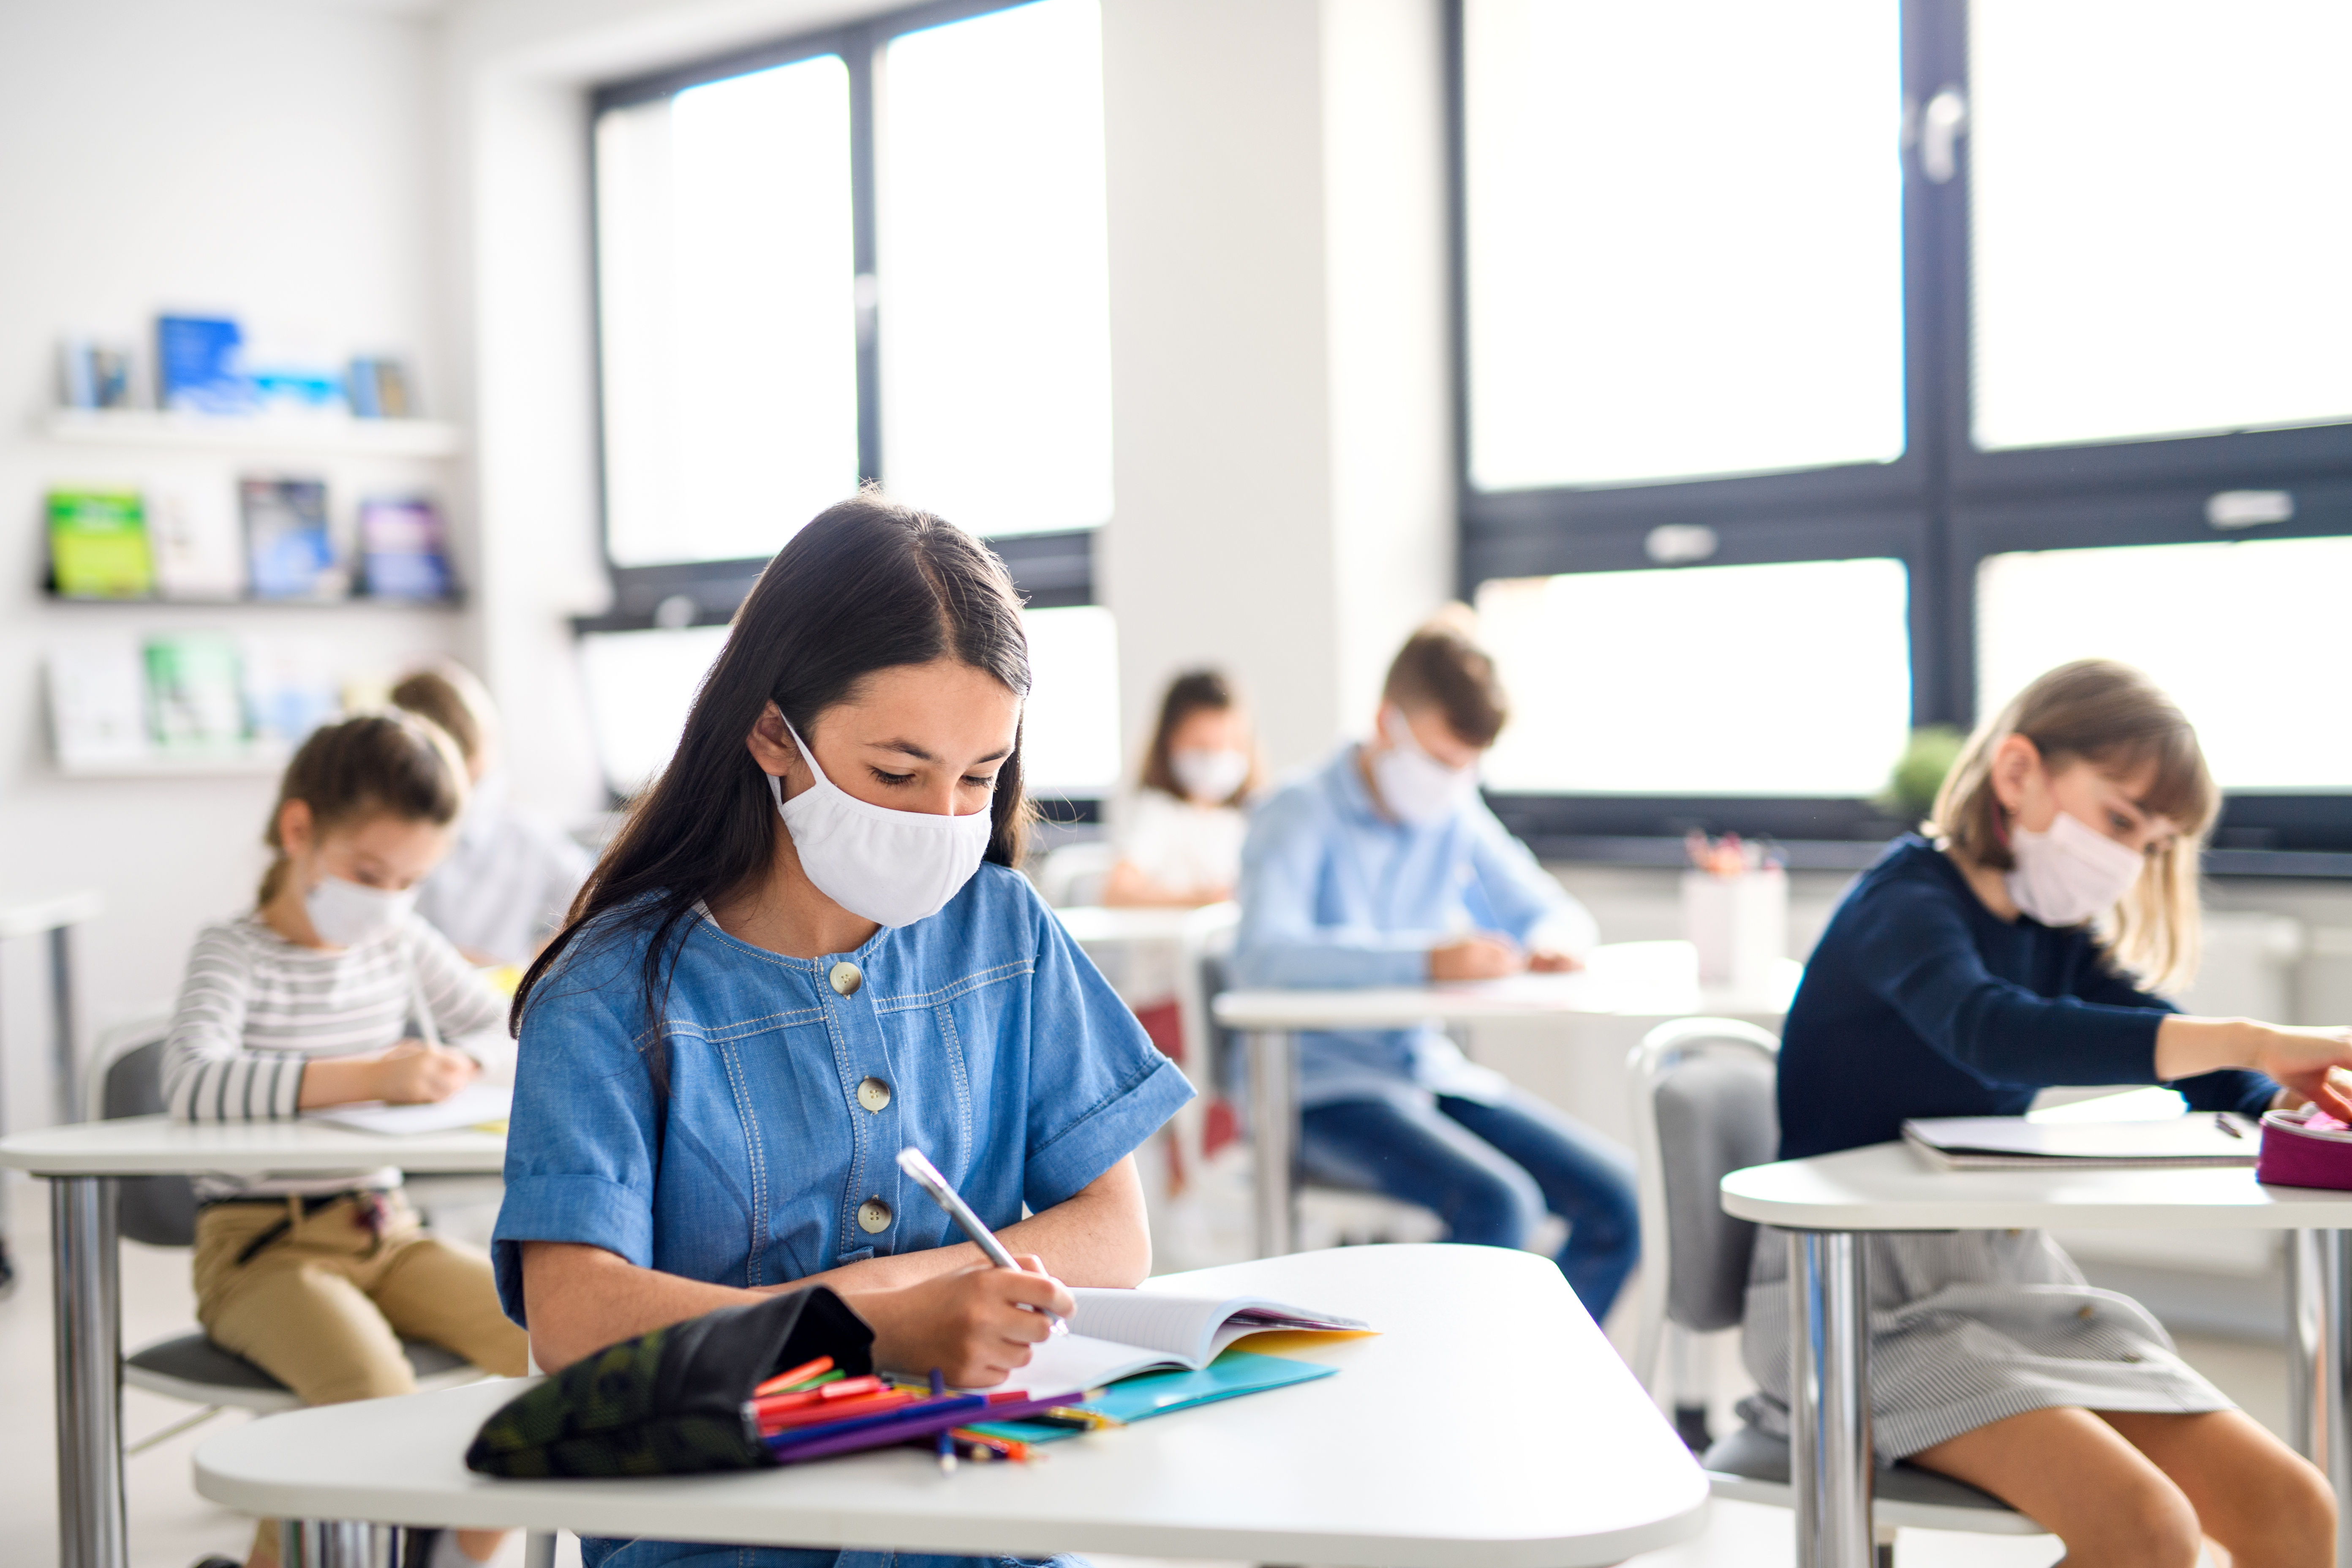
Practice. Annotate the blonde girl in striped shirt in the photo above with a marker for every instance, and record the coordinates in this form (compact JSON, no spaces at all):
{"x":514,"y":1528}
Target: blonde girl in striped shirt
{"x":333,"y":990}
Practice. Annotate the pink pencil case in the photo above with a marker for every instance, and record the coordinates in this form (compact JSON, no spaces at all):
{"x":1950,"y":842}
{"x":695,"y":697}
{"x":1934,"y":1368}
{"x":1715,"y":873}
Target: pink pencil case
{"x":2305,"y":1149}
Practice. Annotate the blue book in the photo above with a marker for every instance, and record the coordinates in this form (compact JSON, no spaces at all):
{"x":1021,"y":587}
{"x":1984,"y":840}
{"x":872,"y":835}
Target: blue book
{"x":200,"y":365}
{"x":403,"y":549}
{"x":1232,"y":1375}
{"x":287,"y":550}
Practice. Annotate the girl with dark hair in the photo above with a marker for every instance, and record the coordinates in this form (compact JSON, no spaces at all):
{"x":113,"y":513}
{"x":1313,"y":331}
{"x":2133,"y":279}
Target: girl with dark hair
{"x":1179,"y":834}
{"x":808,"y":949}
{"x":333,"y":990}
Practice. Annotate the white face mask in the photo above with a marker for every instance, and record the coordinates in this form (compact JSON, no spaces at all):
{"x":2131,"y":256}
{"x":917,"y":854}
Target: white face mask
{"x":893,"y":868}
{"x":345,"y":914}
{"x":1209,"y":776}
{"x":2069,"y":873}
{"x":1415,"y":786}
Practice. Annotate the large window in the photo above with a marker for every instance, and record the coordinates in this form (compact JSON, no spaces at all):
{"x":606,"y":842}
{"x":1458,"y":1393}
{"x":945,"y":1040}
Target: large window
{"x":1831,"y":367}
{"x":875,"y":252}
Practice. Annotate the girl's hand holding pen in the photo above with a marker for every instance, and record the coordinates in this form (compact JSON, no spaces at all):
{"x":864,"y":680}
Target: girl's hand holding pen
{"x":975,"y":1325}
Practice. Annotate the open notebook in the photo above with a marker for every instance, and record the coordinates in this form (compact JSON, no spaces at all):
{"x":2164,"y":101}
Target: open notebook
{"x":471,"y":1106}
{"x":1118,"y":1333}
{"x":2018,"y":1143}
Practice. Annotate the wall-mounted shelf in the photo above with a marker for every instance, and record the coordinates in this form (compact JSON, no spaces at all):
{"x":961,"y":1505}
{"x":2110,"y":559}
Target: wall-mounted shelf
{"x":316,"y":436}
{"x":248,"y":761}
{"x":356,"y":601}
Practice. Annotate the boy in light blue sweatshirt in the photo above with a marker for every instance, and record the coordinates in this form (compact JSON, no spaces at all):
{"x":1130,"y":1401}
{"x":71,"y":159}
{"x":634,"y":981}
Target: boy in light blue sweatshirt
{"x":1384,"y":868}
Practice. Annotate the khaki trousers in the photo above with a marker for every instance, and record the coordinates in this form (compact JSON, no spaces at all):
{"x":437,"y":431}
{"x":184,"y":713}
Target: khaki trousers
{"x":323,"y":1308}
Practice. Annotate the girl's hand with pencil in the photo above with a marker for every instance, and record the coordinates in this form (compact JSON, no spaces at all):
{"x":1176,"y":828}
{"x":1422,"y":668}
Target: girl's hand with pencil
{"x":975,"y":1325}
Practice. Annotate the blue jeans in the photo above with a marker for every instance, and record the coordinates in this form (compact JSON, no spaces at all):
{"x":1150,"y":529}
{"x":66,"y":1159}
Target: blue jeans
{"x":1490,"y":1172}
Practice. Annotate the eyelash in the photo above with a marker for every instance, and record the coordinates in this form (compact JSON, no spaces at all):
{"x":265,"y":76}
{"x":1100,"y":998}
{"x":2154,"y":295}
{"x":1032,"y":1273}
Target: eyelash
{"x":895,"y":780}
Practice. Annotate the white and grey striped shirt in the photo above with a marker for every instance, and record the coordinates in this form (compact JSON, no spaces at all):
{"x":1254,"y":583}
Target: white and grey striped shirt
{"x":254,"y":1008}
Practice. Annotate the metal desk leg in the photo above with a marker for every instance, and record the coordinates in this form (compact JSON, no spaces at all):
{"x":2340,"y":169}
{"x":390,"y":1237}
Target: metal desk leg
{"x":340,"y":1543}
{"x":2334,"y":1270}
{"x":2307,"y":1357}
{"x":1829,"y":1416}
{"x":65,"y":1067}
{"x":1273,"y":1138}
{"x":88,"y":1329}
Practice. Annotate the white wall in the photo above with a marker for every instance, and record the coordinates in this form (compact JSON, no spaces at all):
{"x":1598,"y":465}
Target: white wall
{"x":1279,"y":387}
{"x":273,"y":158}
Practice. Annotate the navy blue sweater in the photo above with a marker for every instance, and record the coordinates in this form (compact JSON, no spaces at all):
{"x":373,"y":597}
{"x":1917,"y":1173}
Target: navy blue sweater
{"x":1921,"y":1002}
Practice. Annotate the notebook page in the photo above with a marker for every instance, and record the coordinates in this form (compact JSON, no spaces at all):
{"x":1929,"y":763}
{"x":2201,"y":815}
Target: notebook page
{"x":1194,"y":1328}
{"x":1069,"y":1363}
{"x":475,"y":1103}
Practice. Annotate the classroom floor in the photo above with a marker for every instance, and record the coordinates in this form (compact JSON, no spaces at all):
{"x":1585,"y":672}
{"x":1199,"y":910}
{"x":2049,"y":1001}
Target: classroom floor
{"x":171,"y":1526}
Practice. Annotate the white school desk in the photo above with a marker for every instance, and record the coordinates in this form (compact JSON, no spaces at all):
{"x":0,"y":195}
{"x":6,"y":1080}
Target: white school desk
{"x":80,"y":1163}
{"x":1488,"y":1426}
{"x":1627,"y":980}
{"x":1827,"y":1201}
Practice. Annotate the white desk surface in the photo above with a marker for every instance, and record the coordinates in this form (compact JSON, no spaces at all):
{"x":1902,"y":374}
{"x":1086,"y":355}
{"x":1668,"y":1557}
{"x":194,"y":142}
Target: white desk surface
{"x":1108,"y":923}
{"x":29,"y":917}
{"x":1489,"y":1426}
{"x":1627,"y":979}
{"x":1885,"y":1186}
{"x":157,"y":1145}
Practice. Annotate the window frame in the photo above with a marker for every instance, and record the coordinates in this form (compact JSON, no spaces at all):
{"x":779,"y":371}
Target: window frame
{"x":1945,"y":505}
{"x":1050,"y":570}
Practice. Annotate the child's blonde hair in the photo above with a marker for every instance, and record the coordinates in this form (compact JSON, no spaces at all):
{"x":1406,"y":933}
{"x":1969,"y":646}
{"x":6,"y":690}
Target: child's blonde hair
{"x":392,"y":764}
{"x":2111,"y":716}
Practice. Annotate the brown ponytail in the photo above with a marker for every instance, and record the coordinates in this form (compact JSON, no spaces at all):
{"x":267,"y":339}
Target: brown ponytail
{"x":390,"y":764}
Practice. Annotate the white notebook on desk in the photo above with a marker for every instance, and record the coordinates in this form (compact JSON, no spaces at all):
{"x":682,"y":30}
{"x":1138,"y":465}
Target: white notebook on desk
{"x":1119,"y":1333}
{"x":471,"y":1106}
{"x":2019,"y":1143}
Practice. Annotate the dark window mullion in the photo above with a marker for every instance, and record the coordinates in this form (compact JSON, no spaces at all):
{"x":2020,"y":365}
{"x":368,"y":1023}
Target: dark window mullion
{"x":859,"y":52}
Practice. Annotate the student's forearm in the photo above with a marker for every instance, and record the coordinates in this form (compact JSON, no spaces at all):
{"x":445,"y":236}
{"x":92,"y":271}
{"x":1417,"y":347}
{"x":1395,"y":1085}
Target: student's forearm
{"x":338,"y":1080}
{"x":581,"y":1298}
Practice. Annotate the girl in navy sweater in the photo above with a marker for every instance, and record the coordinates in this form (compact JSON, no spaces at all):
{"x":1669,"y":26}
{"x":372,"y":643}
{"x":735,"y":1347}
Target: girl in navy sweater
{"x":2025,"y":947}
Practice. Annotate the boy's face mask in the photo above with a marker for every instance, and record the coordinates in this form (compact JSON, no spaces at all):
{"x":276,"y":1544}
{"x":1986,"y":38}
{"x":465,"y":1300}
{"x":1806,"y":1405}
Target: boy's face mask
{"x":1417,"y":787}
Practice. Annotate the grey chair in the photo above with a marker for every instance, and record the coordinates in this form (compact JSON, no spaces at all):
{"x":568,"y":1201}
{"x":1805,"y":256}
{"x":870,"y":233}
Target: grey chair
{"x":127,"y":1080}
{"x":1703,"y":1107}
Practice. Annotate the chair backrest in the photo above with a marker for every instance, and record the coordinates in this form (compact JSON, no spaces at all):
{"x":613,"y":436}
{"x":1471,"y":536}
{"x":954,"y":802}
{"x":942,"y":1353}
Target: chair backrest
{"x":1703,"y":1107}
{"x":1074,"y":873}
{"x":127,"y":1080}
{"x":1200,"y":975}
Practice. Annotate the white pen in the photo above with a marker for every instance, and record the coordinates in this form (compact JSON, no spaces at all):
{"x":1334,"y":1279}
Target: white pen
{"x":918,"y":1165}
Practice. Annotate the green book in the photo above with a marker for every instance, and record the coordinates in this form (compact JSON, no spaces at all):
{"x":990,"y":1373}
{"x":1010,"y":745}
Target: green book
{"x":195,"y":692}
{"x":97,"y":545}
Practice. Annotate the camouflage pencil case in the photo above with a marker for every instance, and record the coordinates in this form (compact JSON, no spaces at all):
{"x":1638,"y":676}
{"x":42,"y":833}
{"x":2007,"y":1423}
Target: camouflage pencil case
{"x":672,"y":1401}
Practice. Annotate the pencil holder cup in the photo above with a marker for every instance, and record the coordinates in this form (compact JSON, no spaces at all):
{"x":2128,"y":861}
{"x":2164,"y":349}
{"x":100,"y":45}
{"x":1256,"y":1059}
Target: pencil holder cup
{"x":2297,"y":1154}
{"x":1739,"y":924}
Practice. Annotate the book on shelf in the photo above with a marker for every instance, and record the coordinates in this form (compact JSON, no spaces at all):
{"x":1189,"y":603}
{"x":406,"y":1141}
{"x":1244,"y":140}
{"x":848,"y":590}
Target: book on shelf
{"x":380,"y":389}
{"x":289,"y":552}
{"x":200,"y":365}
{"x":403,"y":549}
{"x":192,"y":530}
{"x":92,"y":374}
{"x":299,"y":390}
{"x":97,"y":704}
{"x":195,"y":692}
{"x":289,"y":690}
{"x":98,"y":544}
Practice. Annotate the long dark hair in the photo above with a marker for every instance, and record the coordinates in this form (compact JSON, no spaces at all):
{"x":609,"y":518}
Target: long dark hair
{"x":867,"y":585}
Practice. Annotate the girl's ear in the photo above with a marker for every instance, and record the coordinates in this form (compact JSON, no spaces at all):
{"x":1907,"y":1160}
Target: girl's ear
{"x":2016,"y":762}
{"x":770,"y":743}
{"x":295,"y":825}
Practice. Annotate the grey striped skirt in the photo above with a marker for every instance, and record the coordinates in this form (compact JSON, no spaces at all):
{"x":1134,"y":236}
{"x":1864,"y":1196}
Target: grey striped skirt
{"x":1967,"y":1326}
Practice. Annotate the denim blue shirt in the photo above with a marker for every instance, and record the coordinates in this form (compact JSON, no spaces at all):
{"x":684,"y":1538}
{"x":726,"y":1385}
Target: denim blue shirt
{"x":981,"y":1035}
{"x":1334,"y":894}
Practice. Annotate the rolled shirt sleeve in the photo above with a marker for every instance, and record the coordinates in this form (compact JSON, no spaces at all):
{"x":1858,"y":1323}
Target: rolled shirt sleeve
{"x":1097,"y":1086}
{"x":584,"y":1137}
